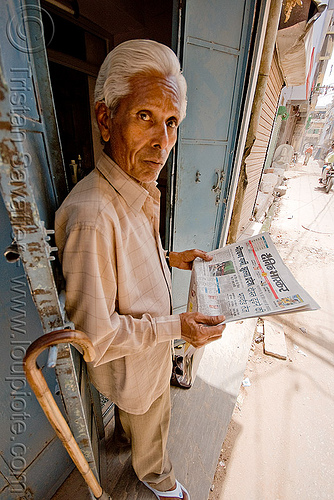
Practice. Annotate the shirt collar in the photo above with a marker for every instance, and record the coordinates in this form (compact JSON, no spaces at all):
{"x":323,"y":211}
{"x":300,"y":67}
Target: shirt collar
{"x":133,"y":192}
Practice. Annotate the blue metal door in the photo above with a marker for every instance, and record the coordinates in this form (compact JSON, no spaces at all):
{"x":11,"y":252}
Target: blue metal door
{"x":33,"y":462}
{"x":215,"y":52}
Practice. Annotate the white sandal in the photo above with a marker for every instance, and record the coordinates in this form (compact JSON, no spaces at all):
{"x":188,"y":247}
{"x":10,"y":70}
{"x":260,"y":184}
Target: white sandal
{"x":176,"y":493}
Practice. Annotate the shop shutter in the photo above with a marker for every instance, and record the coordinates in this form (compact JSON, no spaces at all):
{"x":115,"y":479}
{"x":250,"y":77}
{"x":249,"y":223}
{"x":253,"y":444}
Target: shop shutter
{"x":256,"y":159}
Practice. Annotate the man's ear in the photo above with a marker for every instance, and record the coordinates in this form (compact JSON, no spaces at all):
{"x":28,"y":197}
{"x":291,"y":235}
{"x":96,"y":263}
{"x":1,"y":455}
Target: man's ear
{"x":102,"y":113}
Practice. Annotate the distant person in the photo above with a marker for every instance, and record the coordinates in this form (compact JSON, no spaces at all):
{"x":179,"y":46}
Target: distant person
{"x":308,"y":154}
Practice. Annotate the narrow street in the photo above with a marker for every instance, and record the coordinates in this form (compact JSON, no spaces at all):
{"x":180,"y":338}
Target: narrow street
{"x":280,"y":442}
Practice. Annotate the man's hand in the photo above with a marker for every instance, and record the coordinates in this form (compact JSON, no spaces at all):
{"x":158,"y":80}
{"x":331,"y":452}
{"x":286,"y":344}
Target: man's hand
{"x":184,"y":260}
{"x":198,"y":329}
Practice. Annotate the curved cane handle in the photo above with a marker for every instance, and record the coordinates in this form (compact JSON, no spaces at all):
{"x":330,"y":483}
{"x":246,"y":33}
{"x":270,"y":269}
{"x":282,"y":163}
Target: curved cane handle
{"x":61,"y":337}
{"x":43,"y":394}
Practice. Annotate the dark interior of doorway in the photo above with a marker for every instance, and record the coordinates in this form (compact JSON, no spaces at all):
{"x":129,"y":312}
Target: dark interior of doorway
{"x":71,"y":96}
{"x":77,"y":43}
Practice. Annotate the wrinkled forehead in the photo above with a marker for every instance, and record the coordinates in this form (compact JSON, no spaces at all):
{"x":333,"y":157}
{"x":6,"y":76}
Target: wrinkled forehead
{"x":155,"y":90}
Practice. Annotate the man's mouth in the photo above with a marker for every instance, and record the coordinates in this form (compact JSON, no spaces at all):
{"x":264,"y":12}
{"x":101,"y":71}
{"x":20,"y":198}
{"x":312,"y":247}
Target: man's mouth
{"x":154,"y":163}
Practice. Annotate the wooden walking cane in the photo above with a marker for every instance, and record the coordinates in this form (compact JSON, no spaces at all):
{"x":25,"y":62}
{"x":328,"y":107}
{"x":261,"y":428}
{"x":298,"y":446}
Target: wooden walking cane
{"x":43,"y":394}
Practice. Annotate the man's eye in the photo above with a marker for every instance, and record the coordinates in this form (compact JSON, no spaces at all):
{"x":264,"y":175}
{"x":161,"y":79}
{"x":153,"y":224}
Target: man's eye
{"x":172,"y":123}
{"x":144,"y":116}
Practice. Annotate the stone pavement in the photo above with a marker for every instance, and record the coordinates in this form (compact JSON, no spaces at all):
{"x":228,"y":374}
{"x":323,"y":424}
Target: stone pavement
{"x":280,"y":443}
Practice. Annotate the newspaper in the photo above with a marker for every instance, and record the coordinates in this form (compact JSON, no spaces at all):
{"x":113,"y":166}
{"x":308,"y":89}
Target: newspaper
{"x":244,"y":280}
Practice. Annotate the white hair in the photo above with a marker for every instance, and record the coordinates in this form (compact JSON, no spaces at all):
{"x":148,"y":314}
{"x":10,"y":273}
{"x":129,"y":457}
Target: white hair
{"x":131,"y":58}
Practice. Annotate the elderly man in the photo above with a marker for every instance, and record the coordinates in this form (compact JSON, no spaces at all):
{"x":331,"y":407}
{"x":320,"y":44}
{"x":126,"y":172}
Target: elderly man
{"x":117,"y":277}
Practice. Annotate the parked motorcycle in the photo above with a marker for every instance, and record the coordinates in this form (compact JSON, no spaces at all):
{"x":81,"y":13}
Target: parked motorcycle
{"x":327,"y":179}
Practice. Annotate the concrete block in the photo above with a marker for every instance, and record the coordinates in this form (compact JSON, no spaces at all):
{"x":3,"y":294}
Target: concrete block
{"x":274,"y":340}
{"x":268,"y":182}
{"x":263,"y":202}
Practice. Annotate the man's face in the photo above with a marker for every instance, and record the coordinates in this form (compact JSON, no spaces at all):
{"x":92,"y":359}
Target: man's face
{"x":144,"y":128}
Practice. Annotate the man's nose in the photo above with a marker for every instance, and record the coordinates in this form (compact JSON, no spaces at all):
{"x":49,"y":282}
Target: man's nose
{"x":160,"y":137}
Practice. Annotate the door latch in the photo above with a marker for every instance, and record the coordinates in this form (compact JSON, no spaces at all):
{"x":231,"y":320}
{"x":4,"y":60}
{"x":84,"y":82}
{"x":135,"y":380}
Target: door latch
{"x":216,"y":186}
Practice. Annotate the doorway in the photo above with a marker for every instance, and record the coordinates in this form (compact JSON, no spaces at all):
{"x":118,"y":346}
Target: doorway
{"x":75,"y":52}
